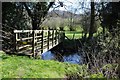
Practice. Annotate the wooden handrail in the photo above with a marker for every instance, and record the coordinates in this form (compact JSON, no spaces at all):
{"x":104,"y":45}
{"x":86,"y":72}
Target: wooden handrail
{"x":22,"y":31}
{"x":36,"y":31}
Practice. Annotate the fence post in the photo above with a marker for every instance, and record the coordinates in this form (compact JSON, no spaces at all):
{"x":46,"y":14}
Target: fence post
{"x":52,"y":37}
{"x":59,"y":36}
{"x":48,"y":39}
{"x":33,"y":43}
{"x":15,"y":42}
{"x":42,"y":41}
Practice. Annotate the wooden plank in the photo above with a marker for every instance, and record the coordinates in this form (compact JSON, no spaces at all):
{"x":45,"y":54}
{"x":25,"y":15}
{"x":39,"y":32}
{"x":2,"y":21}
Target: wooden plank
{"x":22,"y":31}
{"x":23,"y":39}
{"x":39,"y":39}
{"x":38,"y":31}
{"x":24,"y":46}
{"x":26,"y":52}
{"x":38,"y":36}
{"x":28,"y":48}
{"x":39,"y":42}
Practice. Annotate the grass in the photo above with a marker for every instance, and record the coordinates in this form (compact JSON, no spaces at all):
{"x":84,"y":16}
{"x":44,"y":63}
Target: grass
{"x":77,"y":35}
{"x":24,"y":67}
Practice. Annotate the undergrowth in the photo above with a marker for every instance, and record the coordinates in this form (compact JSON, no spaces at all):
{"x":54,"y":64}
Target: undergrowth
{"x":102,"y":55}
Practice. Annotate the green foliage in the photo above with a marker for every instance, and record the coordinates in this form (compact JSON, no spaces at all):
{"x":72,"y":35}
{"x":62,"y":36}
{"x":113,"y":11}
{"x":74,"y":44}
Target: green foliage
{"x":79,"y":28}
{"x":98,"y":75}
{"x":66,"y":28}
{"x":109,"y":67}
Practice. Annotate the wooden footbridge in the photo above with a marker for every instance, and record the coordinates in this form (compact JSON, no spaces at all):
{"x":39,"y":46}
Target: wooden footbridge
{"x":36,"y":42}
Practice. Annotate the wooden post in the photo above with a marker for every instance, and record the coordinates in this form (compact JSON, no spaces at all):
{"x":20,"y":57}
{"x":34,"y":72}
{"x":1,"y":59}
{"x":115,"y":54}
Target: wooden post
{"x":33,"y":43}
{"x":55,"y":36}
{"x":59,"y":36}
{"x":15,"y":42}
{"x":48,"y":39}
{"x":42,"y":42}
{"x":52,"y":37}
{"x":28,"y":36}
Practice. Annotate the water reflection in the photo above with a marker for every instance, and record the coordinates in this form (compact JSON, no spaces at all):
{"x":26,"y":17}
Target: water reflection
{"x":72,"y":58}
{"x":48,"y":55}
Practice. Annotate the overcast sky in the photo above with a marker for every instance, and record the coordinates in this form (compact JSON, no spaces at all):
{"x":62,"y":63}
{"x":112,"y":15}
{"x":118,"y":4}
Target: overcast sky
{"x":71,"y":5}
{"x":76,"y":5}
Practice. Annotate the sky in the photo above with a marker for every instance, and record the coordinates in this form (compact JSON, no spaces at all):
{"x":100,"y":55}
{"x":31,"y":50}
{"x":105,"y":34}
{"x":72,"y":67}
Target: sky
{"x":71,"y":5}
{"x":76,"y":5}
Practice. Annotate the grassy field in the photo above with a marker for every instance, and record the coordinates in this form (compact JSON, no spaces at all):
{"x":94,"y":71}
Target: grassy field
{"x":78,"y":33}
{"x":24,"y":67}
{"x":73,"y":34}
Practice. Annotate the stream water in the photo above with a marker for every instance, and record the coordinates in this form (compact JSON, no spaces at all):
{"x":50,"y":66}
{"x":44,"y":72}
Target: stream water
{"x":71,"y":58}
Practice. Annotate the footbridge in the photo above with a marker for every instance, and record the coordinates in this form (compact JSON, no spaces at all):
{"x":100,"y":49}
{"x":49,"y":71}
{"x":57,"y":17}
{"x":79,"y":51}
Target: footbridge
{"x":36,"y":42}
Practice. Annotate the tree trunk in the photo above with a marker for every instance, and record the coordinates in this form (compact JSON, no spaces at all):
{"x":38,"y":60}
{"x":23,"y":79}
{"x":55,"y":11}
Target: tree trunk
{"x":91,"y":30}
{"x":103,"y":25}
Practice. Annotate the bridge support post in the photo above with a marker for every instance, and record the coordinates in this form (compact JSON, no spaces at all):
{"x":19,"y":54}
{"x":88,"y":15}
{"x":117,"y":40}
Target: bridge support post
{"x":15,"y":42}
{"x":59,"y":33}
{"x":52,"y":37}
{"x":33,"y":43}
{"x":42,"y":41}
{"x":55,"y":36}
{"x":48,"y":39}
